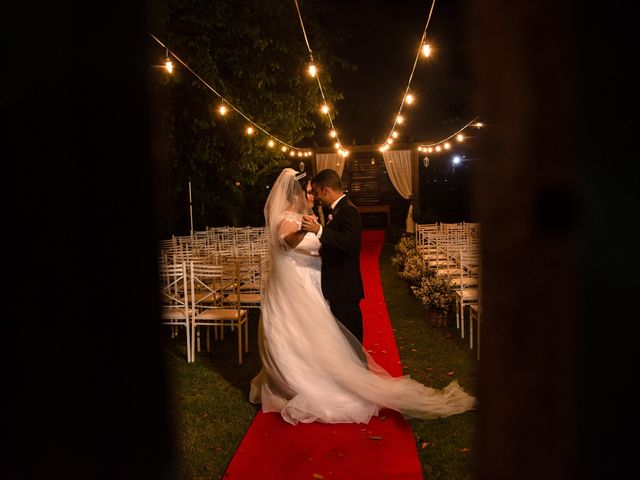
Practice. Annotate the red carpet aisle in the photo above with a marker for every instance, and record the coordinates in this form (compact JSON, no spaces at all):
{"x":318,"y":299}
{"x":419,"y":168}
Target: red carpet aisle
{"x":383,"y":449}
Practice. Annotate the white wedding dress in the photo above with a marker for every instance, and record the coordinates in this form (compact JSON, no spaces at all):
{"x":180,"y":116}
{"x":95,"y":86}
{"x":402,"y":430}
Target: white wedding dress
{"x":311,"y":368}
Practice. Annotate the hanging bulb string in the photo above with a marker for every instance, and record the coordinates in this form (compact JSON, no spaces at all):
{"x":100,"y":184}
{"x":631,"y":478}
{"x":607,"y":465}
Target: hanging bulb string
{"x":304,"y":32}
{"x":450,"y":136}
{"x":415,"y":63}
{"x":227,"y":102}
{"x":324,"y":99}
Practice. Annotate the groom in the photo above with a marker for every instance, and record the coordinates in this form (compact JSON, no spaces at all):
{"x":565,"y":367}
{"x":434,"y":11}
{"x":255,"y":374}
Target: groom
{"x":340,"y":251}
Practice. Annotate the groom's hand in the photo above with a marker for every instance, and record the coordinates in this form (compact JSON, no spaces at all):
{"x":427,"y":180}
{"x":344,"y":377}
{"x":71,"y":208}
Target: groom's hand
{"x":310,"y":224}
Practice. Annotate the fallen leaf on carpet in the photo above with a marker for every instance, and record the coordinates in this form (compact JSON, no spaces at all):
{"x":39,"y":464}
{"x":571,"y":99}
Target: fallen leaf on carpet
{"x":414,"y":350}
{"x":374,"y":437}
{"x":450,"y":373}
{"x":318,"y":476}
{"x":465,"y":450}
{"x":424,"y":444}
{"x":382,"y":417}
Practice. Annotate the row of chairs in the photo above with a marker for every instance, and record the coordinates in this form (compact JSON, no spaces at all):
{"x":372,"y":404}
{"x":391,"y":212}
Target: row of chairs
{"x":212,"y":296}
{"x":453,"y":250}
{"x":232,"y":241}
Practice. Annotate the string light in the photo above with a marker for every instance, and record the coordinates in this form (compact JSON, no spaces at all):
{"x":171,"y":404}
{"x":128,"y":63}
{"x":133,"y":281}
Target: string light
{"x":226,"y":105}
{"x":168,"y":64}
{"x":271,"y":143}
{"x":400,"y":119}
{"x":409,"y":98}
{"x":325,"y":107}
{"x":333,"y":134}
{"x":444,"y":143}
{"x":426,"y":50}
{"x":312,"y":70}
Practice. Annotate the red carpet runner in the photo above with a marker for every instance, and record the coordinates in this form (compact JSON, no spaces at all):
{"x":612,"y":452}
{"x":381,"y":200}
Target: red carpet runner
{"x":383,"y":449}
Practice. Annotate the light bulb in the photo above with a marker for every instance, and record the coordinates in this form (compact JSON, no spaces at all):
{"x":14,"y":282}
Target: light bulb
{"x":400,"y":119}
{"x":333,"y":134}
{"x":325,"y":108}
{"x":222,"y":109}
{"x":394,"y":134}
{"x":312,"y":70}
{"x":409,"y":99}
{"x":460,"y":137}
{"x":168,"y":65}
{"x":271,"y":143}
{"x":284,"y":149}
{"x":438,"y":148}
{"x":426,"y":50}
{"x":250,"y":130}
{"x":447,"y":145}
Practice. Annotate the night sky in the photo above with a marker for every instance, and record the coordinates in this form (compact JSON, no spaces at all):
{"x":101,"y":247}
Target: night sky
{"x":381,"y":40}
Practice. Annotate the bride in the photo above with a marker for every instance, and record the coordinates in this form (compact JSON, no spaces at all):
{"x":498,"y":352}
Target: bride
{"x":313,"y":368}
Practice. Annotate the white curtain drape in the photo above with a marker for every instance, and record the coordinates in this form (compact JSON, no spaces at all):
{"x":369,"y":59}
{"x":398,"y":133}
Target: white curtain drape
{"x":398,"y":164}
{"x":329,"y":160}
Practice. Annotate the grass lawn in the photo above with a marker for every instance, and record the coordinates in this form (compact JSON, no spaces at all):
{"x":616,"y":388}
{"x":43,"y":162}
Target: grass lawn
{"x":210,"y":398}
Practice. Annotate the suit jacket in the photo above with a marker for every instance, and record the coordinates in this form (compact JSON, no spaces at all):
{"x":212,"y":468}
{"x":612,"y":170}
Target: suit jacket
{"x":340,"y":252}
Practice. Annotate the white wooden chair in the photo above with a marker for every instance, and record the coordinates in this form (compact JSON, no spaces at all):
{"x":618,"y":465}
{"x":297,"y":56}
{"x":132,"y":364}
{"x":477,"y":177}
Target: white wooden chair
{"x":174,"y":293}
{"x":209,"y":285}
{"x":251,"y":276}
{"x":466,"y":293}
{"x":474,"y":316}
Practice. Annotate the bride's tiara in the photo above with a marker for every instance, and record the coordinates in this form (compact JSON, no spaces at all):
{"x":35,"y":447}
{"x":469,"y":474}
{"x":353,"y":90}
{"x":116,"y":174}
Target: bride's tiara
{"x":301,"y":175}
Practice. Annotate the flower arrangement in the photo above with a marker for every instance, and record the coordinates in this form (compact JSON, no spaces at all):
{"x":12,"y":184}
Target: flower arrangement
{"x":435,"y":293}
{"x":413,"y":269}
{"x":405,"y":247}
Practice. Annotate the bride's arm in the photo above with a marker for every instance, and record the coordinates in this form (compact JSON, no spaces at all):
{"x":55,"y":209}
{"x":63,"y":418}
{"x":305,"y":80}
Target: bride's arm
{"x":290,"y":232}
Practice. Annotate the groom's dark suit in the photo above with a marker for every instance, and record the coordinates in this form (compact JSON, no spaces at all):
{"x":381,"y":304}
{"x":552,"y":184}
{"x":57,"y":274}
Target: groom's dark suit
{"x":341,"y":278}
